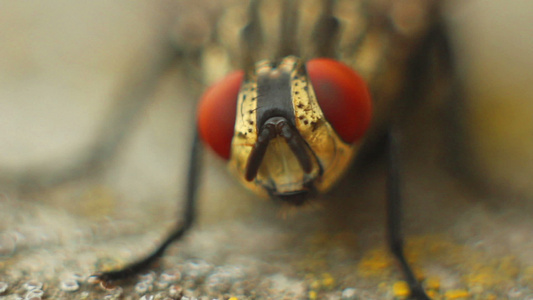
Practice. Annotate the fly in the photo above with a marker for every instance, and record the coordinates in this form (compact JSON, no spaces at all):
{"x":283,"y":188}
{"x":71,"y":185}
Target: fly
{"x":289,"y":124}
{"x":297,"y":112}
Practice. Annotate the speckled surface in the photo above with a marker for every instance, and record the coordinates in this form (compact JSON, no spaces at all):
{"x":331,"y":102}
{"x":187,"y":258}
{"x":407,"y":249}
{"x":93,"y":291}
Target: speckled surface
{"x":463,"y":244}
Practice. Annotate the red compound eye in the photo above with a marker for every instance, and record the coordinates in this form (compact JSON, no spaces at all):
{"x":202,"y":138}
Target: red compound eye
{"x":217,"y":111}
{"x":343,"y":97}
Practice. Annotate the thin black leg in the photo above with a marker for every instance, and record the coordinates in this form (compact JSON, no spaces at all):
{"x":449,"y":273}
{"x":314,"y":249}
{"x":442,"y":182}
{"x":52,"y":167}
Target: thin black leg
{"x":418,"y":82}
{"x":326,"y":32}
{"x":251,"y":37}
{"x":180,"y":229}
{"x":394,"y":217}
{"x":288,"y":44}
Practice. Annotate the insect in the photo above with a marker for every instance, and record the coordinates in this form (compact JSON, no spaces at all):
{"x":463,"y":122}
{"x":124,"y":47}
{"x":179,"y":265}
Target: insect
{"x":283,"y":141}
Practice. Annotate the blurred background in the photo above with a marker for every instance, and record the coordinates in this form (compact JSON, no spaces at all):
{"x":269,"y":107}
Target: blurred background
{"x":62,"y":63}
{"x":493,"y":47}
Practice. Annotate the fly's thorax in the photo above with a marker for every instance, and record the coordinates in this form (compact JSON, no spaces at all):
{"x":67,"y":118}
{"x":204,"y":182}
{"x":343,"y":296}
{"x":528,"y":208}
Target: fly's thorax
{"x":284,"y":92}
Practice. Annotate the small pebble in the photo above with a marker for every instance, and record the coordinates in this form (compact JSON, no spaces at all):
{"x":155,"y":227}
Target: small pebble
{"x":34,"y":295}
{"x":148,"y":277}
{"x":93,"y":279}
{"x":222,"y":279}
{"x":142,"y":287}
{"x":197,"y":269}
{"x":69,"y":285}
{"x":170,"y":276}
{"x":162,"y":284}
{"x":175,"y":290}
{"x":116,"y":293}
{"x":515,"y":292}
{"x":349,"y":294}
{"x":32,"y":285}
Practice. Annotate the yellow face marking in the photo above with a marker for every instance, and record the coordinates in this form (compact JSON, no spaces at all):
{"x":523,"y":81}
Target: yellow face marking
{"x":333,"y":154}
{"x":280,"y":171}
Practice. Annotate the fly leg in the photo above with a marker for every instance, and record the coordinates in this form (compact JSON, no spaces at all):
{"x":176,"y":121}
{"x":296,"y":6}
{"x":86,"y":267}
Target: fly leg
{"x":251,"y":37}
{"x":419,"y":82}
{"x":394,"y":217}
{"x":326,"y":32}
{"x":288,"y":44}
{"x":181,"y":227}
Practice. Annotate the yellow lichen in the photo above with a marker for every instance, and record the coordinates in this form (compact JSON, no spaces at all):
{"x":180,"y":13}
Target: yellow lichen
{"x":328,"y":281}
{"x":401,"y":289}
{"x":456,"y":294}
{"x":432,"y":294}
{"x":315,"y":285}
{"x":376,"y":262}
{"x":433,"y":283}
{"x":312,"y":295}
{"x":491,"y":297}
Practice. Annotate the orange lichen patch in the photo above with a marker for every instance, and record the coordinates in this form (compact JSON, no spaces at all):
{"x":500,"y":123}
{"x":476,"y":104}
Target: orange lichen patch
{"x":431,"y":246}
{"x":509,"y":267}
{"x":327,"y":281}
{"x":491,"y":273}
{"x":314,"y":285}
{"x":320,"y":283}
{"x":527,"y":275}
{"x":433,"y":283}
{"x":457,"y":294}
{"x":376,"y":262}
{"x":323,"y":248}
{"x":481,"y":273}
{"x":432,"y":294}
{"x":491,"y":297}
{"x":313,"y":295}
{"x":401,"y":289}
{"x":481,"y":270}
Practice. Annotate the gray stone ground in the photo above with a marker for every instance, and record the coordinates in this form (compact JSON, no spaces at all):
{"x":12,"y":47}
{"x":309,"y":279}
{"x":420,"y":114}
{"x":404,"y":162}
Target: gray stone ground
{"x":59,"y":68}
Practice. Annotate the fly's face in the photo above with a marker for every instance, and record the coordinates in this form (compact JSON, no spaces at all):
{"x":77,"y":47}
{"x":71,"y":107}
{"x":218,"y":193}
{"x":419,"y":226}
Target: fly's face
{"x":291,"y":128}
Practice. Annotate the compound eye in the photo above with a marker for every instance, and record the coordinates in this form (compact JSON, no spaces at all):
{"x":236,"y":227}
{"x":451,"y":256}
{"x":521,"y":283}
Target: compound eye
{"x":343,"y":97}
{"x":217,"y":112}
